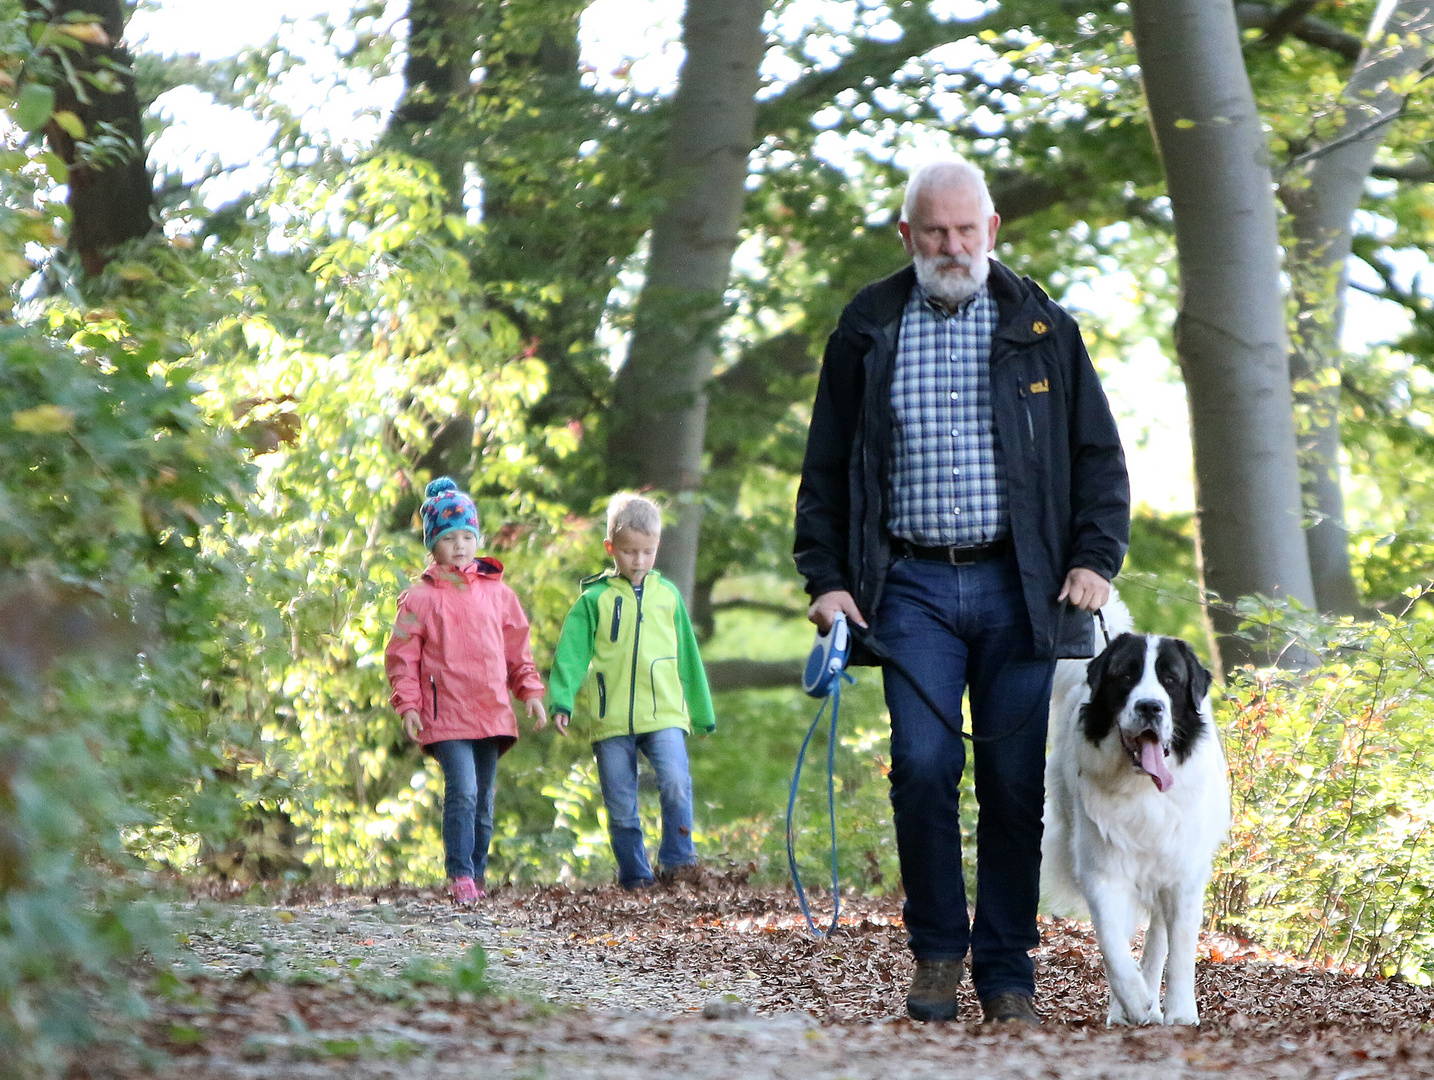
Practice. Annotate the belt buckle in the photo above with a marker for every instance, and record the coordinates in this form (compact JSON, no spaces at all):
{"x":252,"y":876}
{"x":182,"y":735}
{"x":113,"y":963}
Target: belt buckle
{"x":954,"y":561}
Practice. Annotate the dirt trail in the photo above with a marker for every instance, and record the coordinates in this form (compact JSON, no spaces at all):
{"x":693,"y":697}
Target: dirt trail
{"x":600,"y":983}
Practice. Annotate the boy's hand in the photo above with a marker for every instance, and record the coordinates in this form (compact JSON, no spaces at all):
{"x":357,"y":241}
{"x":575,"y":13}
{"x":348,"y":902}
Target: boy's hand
{"x":560,"y":721}
{"x":537,"y":714}
{"x":412,"y":724}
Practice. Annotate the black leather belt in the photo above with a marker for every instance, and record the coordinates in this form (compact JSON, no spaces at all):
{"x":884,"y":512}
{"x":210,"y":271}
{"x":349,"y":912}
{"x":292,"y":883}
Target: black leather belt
{"x":956,"y":556}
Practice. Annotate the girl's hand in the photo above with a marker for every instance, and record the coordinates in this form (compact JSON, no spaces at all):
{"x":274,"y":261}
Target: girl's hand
{"x":412,"y":724}
{"x":560,"y":721}
{"x":537,"y":714}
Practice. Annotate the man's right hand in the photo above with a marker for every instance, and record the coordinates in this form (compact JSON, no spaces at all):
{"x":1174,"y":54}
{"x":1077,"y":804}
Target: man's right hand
{"x":825,"y":607}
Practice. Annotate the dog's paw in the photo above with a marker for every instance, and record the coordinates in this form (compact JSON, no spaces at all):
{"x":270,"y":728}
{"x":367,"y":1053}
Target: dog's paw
{"x":1119,"y":1017}
{"x":1183,"y":1018}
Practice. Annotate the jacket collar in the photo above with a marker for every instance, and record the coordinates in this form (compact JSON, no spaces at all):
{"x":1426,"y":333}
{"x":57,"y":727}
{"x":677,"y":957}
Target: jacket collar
{"x":1021,"y":305}
{"x":612,"y":577}
{"x":464,"y":575}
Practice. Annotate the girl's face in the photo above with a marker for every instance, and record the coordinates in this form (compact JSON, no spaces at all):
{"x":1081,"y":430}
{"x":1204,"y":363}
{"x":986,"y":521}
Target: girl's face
{"x":455,"y":548}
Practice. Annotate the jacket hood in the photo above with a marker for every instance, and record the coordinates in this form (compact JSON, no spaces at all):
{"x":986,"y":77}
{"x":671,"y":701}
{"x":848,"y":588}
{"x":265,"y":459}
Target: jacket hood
{"x":478,"y":568}
{"x":611,"y":575}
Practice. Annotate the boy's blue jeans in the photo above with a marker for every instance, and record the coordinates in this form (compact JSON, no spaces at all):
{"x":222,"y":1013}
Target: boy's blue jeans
{"x":469,"y":769}
{"x":666,"y":751}
{"x":960,"y":628}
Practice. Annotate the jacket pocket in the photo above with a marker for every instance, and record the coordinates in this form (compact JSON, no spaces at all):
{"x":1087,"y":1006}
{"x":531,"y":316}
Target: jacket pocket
{"x":616,"y":618}
{"x":433,"y":685}
{"x":666,"y":680}
{"x":602,"y":695}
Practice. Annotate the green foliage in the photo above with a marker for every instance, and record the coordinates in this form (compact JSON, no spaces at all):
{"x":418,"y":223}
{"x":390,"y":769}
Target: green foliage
{"x":1332,"y":848}
{"x":108,"y":476}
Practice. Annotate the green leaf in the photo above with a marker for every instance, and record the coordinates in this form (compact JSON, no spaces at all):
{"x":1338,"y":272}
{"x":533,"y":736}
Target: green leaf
{"x":71,"y":123}
{"x":33,"y":106}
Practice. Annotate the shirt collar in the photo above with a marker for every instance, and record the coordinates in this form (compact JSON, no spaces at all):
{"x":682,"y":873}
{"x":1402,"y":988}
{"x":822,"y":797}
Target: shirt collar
{"x":924,"y":298}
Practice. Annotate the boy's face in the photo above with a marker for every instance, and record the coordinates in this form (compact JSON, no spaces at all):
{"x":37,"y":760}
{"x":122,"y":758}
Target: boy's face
{"x":633,"y":553}
{"x":455,"y":548}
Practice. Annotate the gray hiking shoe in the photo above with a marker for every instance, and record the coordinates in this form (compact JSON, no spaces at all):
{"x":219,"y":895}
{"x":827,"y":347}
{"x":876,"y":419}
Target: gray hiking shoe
{"x":934,"y":988}
{"x":1011,"y":1009}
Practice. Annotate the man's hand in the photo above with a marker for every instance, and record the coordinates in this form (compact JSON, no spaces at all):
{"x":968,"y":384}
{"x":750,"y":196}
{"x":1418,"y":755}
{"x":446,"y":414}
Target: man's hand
{"x":412,"y":724}
{"x":825,"y":607}
{"x":1085,"y":589}
{"x":560,"y":721}
{"x":537,"y":714}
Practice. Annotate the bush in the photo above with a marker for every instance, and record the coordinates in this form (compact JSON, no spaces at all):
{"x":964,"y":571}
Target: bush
{"x":1332,"y":847}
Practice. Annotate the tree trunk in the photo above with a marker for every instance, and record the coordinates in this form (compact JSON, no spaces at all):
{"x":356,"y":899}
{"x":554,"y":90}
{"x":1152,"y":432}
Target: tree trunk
{"x":111,"y":196}
{"x":442,"y":35}
{"x":1322,"y":199}
{"x":1230,"y":329}
{"x":658,"y":417}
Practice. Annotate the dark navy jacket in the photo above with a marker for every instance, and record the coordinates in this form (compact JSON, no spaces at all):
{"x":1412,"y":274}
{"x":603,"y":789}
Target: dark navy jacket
{"x":1065,"y":472}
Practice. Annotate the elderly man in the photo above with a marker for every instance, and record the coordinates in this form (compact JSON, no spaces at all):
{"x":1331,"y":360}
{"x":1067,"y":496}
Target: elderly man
{"x":963,"y":485}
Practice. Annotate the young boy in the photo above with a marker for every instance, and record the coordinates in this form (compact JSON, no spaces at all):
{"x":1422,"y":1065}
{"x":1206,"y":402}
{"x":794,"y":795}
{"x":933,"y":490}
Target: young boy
{"x":628,"y":644}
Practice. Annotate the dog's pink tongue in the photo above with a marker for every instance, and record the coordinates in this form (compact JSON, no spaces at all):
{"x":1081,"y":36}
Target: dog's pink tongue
{"x":1152,"y":760}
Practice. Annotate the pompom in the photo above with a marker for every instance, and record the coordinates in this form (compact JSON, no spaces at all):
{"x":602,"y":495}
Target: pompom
{"x":439,"y":486}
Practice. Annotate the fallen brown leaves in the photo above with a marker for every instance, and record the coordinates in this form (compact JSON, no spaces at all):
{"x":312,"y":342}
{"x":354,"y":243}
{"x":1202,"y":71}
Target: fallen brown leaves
{"x":640,"y":967}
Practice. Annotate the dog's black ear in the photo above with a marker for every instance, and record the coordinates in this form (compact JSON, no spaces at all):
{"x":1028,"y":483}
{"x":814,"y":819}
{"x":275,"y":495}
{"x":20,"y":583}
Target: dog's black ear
{"x":1198,"y":678}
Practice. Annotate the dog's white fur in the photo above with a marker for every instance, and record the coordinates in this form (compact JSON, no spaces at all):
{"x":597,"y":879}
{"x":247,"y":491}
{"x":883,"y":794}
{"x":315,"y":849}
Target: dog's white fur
{"x":1129,"y":850}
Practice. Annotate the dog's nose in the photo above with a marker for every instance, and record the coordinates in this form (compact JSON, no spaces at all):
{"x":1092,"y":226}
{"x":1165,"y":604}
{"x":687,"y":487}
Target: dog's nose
{"x":1149,"y":710}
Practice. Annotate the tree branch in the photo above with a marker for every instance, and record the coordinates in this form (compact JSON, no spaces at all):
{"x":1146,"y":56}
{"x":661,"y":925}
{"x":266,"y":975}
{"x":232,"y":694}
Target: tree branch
{"x":768,"y":606}
{"x":724,"y":675}
{"x":1312,"y":31}
{"x":1287,"y":19}
{"x":1416,"y":172}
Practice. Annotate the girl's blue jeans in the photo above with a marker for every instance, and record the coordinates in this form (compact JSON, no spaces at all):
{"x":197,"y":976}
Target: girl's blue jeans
{"x":666,"y":751}
{"x":469,"y":769}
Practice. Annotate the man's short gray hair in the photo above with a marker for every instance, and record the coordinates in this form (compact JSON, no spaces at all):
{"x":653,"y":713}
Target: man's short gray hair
{"x":627,"y":512}
{"x":946,"y":172}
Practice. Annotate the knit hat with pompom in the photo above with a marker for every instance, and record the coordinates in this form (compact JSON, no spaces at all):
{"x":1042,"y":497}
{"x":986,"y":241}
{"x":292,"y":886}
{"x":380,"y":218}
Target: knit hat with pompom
{"x":446,"y":508}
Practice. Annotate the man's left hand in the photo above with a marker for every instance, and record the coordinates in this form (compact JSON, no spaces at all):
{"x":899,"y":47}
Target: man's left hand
{"x":1085,"y":589}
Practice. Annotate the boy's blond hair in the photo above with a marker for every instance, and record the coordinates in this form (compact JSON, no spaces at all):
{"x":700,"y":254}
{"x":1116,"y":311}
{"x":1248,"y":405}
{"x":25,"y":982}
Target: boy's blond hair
{"x":627,"y":512}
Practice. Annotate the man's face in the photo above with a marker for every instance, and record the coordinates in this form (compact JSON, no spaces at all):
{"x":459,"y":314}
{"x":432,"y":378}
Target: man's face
{"x":948,"y":238}
{"x":633,"y":553}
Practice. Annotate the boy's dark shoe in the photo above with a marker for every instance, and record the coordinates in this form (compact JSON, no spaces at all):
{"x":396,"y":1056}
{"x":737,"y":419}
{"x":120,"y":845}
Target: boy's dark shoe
{"x":640,"y":886}
{"x":934,"y":989}
{"x":1011,"y":1009}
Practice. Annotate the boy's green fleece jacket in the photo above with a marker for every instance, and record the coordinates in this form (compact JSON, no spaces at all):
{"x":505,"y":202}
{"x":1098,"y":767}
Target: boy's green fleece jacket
{"x":626,"y":667}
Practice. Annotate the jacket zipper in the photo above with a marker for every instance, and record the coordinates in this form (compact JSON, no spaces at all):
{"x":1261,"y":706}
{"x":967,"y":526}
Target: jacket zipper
{"x":632,"y":681}
{"x":1026,"y":405}
{"x":616,"y":618}
{"x":434,"y":684}
{"x":602,"y":696}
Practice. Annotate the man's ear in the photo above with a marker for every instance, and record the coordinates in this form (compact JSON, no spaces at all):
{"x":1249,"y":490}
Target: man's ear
{"x":904,"y":228}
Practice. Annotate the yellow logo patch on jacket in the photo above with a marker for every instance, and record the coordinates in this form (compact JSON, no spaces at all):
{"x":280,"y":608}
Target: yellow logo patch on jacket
{"x":1042,"y":387}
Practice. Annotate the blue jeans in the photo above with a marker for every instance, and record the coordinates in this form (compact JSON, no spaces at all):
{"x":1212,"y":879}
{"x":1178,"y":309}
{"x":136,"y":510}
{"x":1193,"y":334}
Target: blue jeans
{"x":469,"y":769}
{"x":666,"y":751}
{"x":958,"y":628}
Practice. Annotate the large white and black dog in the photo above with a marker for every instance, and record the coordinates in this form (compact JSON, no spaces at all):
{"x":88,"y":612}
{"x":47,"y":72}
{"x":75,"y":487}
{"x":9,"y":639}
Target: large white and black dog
{"x":1137,"y":802}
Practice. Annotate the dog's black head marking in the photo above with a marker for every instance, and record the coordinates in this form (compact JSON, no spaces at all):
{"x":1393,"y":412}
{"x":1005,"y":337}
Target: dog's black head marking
{"x":1115,"y":673}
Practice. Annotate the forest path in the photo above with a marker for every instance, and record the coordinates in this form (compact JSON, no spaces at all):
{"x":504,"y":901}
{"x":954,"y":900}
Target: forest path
{"x":599,"y":983}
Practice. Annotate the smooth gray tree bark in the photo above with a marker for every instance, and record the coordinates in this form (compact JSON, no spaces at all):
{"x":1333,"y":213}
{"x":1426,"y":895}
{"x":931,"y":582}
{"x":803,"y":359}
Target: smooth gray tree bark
{"x":1321,"y":197}
{"x":658,"y":416}
{"x":1230,"y":334}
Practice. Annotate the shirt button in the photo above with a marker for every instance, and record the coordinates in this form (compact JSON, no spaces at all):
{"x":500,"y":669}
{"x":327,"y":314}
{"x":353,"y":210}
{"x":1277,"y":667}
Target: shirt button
{"x":957,"y":510}
{"x":956,"y":472}
{"x":955,"y":433}
{"x":954,"y":395}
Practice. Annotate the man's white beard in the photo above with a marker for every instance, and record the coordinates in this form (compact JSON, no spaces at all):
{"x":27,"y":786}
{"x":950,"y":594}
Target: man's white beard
{"x":953,"y":287}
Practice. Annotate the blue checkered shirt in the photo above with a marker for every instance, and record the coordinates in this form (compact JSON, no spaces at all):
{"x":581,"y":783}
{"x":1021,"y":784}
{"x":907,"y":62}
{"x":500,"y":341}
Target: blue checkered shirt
{"x":948,"y":481}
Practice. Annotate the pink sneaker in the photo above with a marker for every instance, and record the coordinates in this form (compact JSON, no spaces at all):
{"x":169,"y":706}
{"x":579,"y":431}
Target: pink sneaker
{"x":464,"y":890}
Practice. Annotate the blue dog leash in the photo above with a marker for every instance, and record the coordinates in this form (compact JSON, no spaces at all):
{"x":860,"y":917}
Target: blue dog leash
{"x":824,"y":674}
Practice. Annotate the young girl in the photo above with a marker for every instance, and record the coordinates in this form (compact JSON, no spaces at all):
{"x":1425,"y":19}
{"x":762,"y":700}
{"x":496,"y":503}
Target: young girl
{"x":459,"y":648}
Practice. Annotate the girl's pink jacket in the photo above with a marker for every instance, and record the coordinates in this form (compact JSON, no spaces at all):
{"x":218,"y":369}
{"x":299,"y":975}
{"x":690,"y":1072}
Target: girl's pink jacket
{"x":459,"y":646}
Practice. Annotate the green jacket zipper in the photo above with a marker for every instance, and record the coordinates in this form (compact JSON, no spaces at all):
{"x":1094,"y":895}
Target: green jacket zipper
{"x":632,"y":679}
